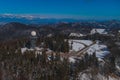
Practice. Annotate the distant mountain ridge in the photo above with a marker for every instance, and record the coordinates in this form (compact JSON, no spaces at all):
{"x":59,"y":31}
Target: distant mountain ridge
{"x":12,"y":30}
{"x":37,"y":19}
{"x":15,"y":30}
{"x":32,"y":19}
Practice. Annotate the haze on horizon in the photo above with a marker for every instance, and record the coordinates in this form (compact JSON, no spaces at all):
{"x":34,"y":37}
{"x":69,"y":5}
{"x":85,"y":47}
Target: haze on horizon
{"x":84,"y":9}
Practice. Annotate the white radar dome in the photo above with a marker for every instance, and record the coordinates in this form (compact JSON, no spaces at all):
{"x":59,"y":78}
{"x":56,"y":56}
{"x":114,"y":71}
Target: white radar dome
{"x":33,"y":33}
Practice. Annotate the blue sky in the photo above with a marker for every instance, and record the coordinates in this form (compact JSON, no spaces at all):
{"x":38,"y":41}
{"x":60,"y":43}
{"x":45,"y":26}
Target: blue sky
{"x":85,"y":9}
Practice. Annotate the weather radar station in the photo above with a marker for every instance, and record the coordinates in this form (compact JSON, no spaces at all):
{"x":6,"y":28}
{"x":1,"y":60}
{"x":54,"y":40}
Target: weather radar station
{"x":33,"y":39}
{"x":33,"y":33}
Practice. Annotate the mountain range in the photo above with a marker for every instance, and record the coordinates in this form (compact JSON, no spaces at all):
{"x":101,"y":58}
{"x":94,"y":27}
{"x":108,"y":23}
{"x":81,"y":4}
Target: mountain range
{"x":32,"y":19}
{"x":15,"y":26}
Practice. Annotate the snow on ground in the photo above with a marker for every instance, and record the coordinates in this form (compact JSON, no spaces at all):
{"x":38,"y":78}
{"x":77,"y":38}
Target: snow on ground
{"x":89,"y":75}
{"x":100,"y":50}
{"x":118,"y":68}
{"x":23,"y":50}
{"x":100,"y":31}
{"x":86,"y":42}
{"x":71,"y":60}
{"x":79,"y":44}
{"x":102,"y":54}
{"x":77,"y":47}
{"x":76,"y":34}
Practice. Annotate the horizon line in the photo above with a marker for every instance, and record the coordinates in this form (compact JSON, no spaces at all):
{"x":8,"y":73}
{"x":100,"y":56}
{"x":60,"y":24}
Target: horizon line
{"x":56,"y":16}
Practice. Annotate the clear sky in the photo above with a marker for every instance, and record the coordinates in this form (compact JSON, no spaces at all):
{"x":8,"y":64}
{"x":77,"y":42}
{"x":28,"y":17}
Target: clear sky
{"x":86,"y":9}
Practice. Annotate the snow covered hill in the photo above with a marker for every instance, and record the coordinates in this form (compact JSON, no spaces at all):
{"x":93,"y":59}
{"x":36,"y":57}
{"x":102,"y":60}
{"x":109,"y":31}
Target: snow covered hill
{"x":99,"y":49}
{"x":77,"y":45}
{"x":99,"y":31}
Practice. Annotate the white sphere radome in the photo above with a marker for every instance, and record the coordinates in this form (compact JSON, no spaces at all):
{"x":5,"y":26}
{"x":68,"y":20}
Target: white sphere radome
{"x":33,"y":33}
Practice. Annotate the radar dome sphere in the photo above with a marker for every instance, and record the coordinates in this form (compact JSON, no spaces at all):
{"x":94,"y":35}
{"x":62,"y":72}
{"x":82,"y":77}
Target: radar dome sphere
{"x":33,"y":33}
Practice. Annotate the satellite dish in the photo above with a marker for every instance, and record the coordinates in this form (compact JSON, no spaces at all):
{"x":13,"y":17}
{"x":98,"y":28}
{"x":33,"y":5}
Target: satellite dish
{"x":33,"y":33}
